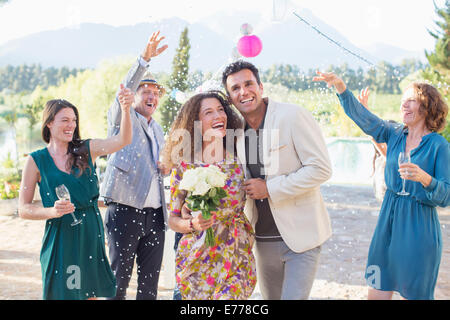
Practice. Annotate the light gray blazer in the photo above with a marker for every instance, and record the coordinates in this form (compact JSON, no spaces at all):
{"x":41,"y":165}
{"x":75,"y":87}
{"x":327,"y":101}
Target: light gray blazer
{"x":129,"y":171}
{"x":296,"y":164}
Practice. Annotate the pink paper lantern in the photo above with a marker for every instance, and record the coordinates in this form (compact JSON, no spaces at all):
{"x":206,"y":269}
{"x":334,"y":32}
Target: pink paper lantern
{"x":249,"y":46}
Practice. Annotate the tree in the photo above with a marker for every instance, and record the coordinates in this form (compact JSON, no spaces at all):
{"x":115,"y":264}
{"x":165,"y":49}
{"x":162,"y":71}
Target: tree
{"x":439,"y":70}
{"x":439,"y":59}
{"x":28,"y":77}
{"x":178,"y":81}
{"x":33,"y":112}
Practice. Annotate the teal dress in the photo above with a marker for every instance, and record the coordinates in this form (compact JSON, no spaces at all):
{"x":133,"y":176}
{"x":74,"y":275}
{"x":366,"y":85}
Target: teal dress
{"x":406,"y":247}
{"x":73,"y":258}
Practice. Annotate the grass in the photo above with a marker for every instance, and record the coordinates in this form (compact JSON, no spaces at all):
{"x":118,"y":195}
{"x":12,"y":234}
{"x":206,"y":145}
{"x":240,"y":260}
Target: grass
{"x":325,"y":107}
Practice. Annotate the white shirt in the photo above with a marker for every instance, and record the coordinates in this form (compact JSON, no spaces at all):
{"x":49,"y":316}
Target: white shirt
{"x":153,"y":199}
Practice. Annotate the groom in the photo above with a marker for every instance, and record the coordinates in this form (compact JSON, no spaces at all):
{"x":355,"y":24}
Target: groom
{"x":284,"y":171}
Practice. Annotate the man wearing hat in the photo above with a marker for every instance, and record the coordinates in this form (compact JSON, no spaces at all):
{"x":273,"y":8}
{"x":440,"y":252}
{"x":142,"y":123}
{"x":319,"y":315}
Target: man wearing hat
{"x":132,"y":187}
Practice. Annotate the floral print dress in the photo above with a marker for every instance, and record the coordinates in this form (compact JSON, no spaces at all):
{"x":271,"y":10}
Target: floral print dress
{"x":226,"y":271}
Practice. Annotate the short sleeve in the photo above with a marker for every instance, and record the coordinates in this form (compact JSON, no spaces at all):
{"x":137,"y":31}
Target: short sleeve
{"x":177,"y":195}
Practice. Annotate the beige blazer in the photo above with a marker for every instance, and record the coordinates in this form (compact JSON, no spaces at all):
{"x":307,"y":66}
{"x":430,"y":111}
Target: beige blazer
{"x":296,"y":164}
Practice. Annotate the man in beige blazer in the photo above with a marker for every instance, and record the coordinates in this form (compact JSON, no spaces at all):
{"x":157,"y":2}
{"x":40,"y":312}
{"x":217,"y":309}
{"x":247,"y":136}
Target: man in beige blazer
{"x":286,"y":161}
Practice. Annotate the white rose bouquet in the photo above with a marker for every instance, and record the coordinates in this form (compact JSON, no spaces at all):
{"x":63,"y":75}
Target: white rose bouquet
{"x":205,"y":187}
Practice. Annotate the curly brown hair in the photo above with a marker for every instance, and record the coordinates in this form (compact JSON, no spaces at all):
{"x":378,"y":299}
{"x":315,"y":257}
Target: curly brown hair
{"x":432,"y":105}
{"x":184,"y":125}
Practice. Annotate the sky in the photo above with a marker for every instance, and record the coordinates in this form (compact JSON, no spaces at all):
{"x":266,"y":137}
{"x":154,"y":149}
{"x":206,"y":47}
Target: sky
{"x":402,"y":23}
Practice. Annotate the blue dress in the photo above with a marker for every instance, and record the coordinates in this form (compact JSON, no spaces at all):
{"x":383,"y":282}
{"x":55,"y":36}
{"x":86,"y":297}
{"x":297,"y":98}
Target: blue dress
{"x":406,"y":247}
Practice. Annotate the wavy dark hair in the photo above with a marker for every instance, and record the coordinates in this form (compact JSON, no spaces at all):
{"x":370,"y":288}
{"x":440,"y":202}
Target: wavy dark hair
{"x":77,"y":150}
{"x":186,"y":117}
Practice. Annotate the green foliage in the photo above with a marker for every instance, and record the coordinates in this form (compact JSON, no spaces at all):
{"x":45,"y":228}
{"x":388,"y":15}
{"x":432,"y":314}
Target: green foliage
{"x":177,"y":81}
{"x":384,"y":79}
{"x":326,"y":109}
{"x":28,"y":77}
{"x":93,"y":92}
{"x":439,"y":58}
{"x":9,"y":179}
{"x":439,"y":71}
{"x":206,"y":204}
{"x":9,"y":190}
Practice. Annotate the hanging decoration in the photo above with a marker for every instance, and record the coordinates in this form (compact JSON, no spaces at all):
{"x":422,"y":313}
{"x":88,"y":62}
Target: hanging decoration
{"x":249,"y":45}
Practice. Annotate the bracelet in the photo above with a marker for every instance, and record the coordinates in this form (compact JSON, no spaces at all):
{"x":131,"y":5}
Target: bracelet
{"x":191,"y":225}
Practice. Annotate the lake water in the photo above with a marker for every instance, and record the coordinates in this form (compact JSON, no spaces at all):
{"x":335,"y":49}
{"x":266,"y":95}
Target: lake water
{"x":7,"y":145}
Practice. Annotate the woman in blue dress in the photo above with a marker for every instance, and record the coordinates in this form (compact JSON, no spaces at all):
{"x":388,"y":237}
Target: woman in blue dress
{"x":73,"y":259}
{"x":406,"y":248}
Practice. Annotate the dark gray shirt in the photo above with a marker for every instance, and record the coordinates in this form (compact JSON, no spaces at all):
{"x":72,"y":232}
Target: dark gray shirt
{"x":266,"y":230}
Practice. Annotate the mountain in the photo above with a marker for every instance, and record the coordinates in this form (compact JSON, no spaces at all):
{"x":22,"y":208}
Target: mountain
{"x":393,"y":54}
{"x":291,"y":41}
{"x":90,"y":43}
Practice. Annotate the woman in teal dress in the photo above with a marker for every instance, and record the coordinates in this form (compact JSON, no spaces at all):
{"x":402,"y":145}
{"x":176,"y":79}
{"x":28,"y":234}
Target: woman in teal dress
{"x":73,"y":259}
{"x":406,"y":248}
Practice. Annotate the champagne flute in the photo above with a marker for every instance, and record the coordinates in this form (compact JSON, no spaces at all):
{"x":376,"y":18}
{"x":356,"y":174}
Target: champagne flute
{"x":63,"y":194}
{"x":403,"y":157}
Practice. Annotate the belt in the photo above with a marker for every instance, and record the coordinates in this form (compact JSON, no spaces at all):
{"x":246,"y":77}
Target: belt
{"x":124,"y":205}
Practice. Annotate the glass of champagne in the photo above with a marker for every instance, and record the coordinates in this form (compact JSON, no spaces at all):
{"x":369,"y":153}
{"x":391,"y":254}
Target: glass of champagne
{"x":63,"y":194}
{"x":403,"y":157}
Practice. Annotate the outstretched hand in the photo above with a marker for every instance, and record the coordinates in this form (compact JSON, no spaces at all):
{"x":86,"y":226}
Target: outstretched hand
{"x":151,"y":49}
{"x":332,"y":80}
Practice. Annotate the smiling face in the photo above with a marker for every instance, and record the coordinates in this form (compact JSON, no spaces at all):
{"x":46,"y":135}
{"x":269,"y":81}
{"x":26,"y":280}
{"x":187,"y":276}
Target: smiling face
{"x":245,"y":92}
{"x":410,"y":108}
{"x":146,"y":100}
{"x":63,"y":125}
{"x":213,"y":117}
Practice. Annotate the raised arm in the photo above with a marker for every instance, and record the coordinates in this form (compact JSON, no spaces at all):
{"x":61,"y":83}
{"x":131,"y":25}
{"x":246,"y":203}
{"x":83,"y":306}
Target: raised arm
{"x":363,"y":98}
{"x":134,"y":76}
{"x":112,"y":144}
{"x":368,"y":122}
